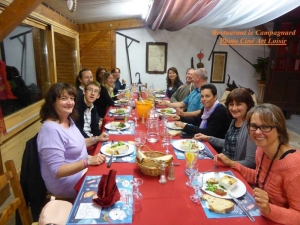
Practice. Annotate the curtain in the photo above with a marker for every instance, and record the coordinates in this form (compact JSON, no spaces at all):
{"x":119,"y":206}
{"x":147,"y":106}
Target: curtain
{"x":175,"y":15}
{"x":242,"y":14}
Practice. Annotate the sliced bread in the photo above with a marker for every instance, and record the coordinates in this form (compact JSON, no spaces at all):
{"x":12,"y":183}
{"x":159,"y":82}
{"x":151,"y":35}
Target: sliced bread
{"x":218,"y":205}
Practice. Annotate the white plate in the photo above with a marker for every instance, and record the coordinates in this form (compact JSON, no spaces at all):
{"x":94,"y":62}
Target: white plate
{"x":173,"y":110}
{"x":171,"y":125}
{"x":115,"y":111}
{"x":107,"y":146}
{"x":177,"y":144}
{"x":108,"y":126}
{"x":238,"y":191}
{"x":159,"y":91}
{"x":159,"y":96}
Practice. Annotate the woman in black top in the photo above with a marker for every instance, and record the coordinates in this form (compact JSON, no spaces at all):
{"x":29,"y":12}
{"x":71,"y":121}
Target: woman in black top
{"x":173,"y":81}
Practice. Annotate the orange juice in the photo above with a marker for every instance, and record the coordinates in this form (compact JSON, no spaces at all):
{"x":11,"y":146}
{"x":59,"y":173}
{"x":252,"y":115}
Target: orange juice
{"x":143,"y":108}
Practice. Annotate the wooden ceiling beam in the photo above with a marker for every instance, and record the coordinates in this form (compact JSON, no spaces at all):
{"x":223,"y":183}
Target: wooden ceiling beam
{"x":14,"y":14}
{"x":111,"y":25}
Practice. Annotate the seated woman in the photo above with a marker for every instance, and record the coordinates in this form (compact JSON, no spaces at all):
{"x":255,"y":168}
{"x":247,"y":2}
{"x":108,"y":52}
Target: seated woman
{"x":173,"y":81}
{"x":107,"y":97}
{"x":118,"y":85}
{"x":63,"y":154}
{"x":99,"y":74}
{"x":237,"y":144}
{"x":213,"y":119}
{"x":277,"y":175}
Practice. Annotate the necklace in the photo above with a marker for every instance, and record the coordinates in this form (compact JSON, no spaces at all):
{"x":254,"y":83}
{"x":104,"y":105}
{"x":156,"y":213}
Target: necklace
{"x":270,"y":166}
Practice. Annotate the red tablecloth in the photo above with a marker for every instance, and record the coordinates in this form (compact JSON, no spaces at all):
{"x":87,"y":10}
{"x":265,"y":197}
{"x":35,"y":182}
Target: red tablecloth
{"x":168,"y":203}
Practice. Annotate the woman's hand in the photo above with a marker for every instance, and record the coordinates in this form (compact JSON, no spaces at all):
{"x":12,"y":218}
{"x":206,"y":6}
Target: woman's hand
{"x":123,"y":81}
{"x":96,"y":160}
{"x":262,"y":200}
{"x":180,"y":124}
{"x":201,"y":137}
{"x":103,"y":137}
{"x":179,"y":112}
{"x":224,"y":159}
{"x":176,"y":118}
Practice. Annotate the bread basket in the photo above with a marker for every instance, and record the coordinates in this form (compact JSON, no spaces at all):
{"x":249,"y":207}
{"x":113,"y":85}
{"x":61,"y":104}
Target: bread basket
{"x":151,"y":168}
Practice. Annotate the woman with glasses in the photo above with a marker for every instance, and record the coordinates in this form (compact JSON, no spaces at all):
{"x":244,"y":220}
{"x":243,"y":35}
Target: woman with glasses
{"x":61,"y":147}
{"x":277,"y":175}
{"x":237,"y":144}
{"x":118,"y":85}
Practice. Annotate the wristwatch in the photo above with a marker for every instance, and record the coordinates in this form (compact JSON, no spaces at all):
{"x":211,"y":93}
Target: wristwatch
{"x":71,"y":4}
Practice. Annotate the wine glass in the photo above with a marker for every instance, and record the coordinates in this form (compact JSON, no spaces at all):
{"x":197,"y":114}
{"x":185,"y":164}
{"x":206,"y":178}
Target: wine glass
{"x":127,"y":206}
{"x":135,"y":116}
{"x":167,"y":141}
{"x":191,"y":157}
{"x":191,"y":174}
{"x":137,"y":195}
{"x":140,"y":138}
{"x":197,"y":184}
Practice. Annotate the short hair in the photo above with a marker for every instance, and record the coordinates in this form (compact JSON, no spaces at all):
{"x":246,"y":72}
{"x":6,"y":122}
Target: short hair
{"x":240,"y":95}
{"x":77,"y":81}
{"x":271,"y":115}
{"x":92,"y":83}
{"x":211,"y":87}
{"x":201,"y":72}
{"x":114,"y":70}
{"x":177,"y":79}
{"x":188,"y":70}
{"x":98,"y":71}
{"x":55,"y":92}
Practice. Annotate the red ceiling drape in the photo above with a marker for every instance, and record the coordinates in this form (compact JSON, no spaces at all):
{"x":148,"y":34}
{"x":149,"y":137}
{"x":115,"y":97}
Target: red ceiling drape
{"x":175,"y":15}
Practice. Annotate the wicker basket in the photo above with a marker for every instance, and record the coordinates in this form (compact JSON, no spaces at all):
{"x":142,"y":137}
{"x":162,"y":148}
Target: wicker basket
{"x":151,"y":168}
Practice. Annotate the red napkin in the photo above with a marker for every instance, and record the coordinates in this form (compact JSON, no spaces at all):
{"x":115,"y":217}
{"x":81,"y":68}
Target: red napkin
{"x":108,"y":192}
{"x":160,"y":106}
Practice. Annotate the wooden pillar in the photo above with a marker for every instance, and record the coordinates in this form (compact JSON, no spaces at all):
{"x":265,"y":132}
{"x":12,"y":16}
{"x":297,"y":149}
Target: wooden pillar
{"x":14,"y":14}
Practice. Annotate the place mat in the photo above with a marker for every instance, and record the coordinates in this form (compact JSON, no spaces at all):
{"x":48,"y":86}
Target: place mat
{"x":129,"y":131}
{"x":205,"y":154}
{"x":127,"y":158}
{"x":247,"y":201}
{"x":84,"y":211}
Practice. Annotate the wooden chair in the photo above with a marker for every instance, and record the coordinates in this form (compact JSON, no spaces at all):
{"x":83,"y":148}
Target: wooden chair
{"x":11,"y":176}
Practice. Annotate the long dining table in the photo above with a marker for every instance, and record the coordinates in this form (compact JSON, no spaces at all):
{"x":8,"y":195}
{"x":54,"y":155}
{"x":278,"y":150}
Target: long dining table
{"x":168,"y":203}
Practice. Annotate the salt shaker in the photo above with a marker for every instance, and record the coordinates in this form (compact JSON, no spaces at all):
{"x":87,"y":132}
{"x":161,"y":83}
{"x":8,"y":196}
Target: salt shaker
{"x":171,"y":175}
{"x":162,"y":178}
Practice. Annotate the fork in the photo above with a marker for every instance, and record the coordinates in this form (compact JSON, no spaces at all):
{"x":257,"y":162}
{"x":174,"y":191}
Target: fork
{"x":217,"y":176}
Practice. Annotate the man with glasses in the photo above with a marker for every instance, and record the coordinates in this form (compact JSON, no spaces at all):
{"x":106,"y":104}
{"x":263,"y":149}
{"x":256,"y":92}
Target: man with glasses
{"x":118,"y":85}
{"x":88,"y":120}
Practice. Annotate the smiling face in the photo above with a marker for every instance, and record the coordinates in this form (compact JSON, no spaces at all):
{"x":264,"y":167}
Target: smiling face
{"x":207,"y":98}
{"x":264,"y":140}
{"x":91,"y":93}
{"x":117,"y":74}
{"x":238,"y":110}
{"x":172,"y":75}
{"x":86,"y":78}
{"x":110,"y":80}
{"x":189,"y":76}
{"x":64,"y":105}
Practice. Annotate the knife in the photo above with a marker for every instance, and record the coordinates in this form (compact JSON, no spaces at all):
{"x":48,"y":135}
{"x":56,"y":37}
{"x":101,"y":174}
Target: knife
{"x":240,"y":205}
{"x":111,"y":156}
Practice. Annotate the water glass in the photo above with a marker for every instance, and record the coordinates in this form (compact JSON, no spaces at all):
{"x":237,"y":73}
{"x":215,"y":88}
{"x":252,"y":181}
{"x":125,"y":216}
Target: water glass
{"x":140,"y":138}
{"x":197,"y":184}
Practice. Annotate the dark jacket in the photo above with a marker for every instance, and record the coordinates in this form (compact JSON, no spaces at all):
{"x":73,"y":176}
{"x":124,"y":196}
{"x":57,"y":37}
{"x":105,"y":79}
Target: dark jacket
{"x":31,"y":180}
{"x":81,"y":107}
{"x":174,"y":88}
{"x":118,"y":86}
{"x":103,"y":102}
{"x":216,"y":126}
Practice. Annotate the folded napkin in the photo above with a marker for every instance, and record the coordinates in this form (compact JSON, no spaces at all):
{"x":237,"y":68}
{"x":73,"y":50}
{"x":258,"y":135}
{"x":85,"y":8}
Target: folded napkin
{"x":160,"y":106}
{"x":108,"y":192}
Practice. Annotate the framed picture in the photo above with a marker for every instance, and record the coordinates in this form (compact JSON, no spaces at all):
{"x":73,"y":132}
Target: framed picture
{"x":156,"y":57}
{"x":218,"y":67}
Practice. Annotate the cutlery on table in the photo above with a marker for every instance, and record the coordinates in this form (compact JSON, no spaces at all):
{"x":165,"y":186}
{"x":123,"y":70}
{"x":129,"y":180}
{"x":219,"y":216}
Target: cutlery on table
{"x":111,"y":156}
{"x":240,"y":205}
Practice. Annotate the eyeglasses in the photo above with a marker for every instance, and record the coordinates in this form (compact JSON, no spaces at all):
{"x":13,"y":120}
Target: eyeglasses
{"x":92,"y":91}
{"x":264,"y":128}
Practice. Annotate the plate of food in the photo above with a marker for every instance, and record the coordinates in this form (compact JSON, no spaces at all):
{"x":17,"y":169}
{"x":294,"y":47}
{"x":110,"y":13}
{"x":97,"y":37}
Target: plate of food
{"x":159,"y":91}
{"x":166,"y":110}
{"x":120,"y":111}
{"x":119,"y":149}
{"x":117,"y":126}
{"x":216,"y":187}
{"x":184,"y":145}
{"x":122,"y":101}
{"x":160,"y":96}
{"x":171,"y":125}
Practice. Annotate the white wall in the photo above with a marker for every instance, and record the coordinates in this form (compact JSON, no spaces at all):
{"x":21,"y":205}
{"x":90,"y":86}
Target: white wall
{"x":13,"y":54}
{"x":182,"y":46}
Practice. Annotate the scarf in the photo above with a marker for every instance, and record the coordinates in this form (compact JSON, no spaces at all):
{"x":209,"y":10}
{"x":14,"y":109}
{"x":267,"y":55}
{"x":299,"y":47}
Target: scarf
{"x":206,"y":114}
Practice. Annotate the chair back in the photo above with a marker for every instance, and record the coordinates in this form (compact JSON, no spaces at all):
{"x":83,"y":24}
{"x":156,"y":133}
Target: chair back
{"x":18,"y":203}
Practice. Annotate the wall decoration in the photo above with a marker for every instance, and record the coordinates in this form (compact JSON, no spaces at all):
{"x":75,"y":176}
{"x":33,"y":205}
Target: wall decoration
{"x":218,"y":67}
{"x":156,"y":57}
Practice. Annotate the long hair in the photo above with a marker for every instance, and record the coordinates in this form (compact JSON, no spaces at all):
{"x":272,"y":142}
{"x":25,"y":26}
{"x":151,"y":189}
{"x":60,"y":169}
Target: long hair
{"x":98,"y":73}
{"x":177,"y":79}
{"x":240,"y":95}
{"x":110,"y":89}
{"x":55,"y":92}
{"x":273,"y":116}
{"x":77,"y":81}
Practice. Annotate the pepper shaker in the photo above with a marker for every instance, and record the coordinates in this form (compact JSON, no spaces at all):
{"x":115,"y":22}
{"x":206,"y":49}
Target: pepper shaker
{"x":171,"y":175}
